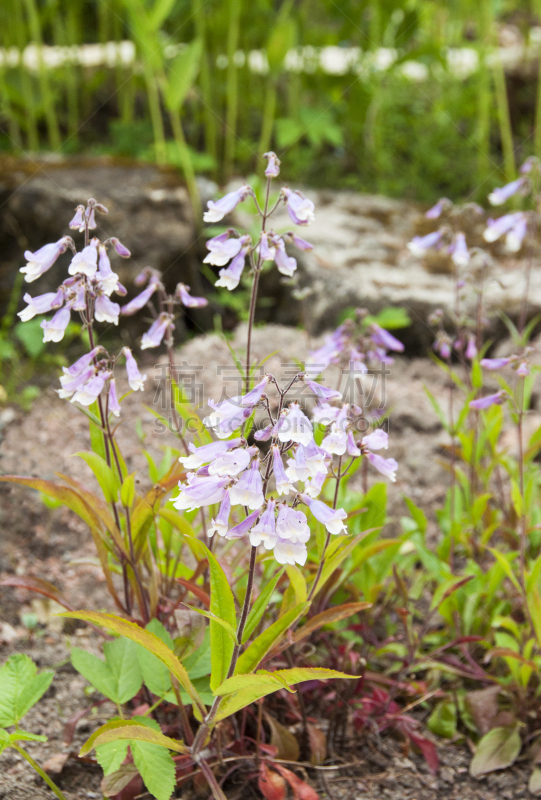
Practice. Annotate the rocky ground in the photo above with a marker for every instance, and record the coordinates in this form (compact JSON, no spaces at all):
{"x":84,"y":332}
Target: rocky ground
{"x":53,"y":544}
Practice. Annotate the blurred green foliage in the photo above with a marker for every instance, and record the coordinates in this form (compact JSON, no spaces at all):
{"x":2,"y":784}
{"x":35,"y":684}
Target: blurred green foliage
{"x":215,"y":83}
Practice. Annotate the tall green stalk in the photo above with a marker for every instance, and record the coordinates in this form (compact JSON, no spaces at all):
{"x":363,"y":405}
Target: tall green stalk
{"x":155,"y":115}
{"x":211,"y":126}
{"x":502,"y":102}
{"x":269,"y":112}
{"x":484,"y":96}
{"x":34,"y":25}
{"x":186,"y":163}
{"x":19,"y":28}
{"x":232,"y":86}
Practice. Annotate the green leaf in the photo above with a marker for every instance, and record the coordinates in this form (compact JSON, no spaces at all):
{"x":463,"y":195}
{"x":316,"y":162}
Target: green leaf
{"x":148,"y":640}
{"x":516,"y":494}
{"x":110,"y":755}
{"x":497,"y":749}
{"x":442,"y":721}
{"x":477,"y":375}
{"x":260,"y":605}
{"x":298,"y":583}
{"x":95,"y":671}
{"x":21,"y":686}
{"x":121,"y":658}
{"x":30,"y":334}
{"x":259,"y":648}
{"x":505,"y":561}
{"x":156,"y":768}
{"x":4,"y":740}
{"x":222,"y":605}
{"x":118,"y":677}
{"x":283,"y":37}
{"x":24,"y":736}
{"x":108,"y":481}
{"x":129,"y":730}
{"x":156,"y":675}
{"x":418,"y":515}
{"x":127,"y":490}
{"x":437,"y":408}
{"x":159,"y":12}
{"x":245,"y":689}
{"x":182,"y":74}
{"x":198,"y":664}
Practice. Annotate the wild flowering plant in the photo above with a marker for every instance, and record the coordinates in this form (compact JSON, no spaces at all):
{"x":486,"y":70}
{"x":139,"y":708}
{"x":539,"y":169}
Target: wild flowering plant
{"x":263,"y":474}
{"x":489,"y":548}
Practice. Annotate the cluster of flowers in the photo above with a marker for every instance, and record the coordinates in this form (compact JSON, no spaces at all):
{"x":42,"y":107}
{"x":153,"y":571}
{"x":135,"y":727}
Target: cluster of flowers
{"x":444,"y":343}
{"x":87,"y":290}
{"x":231,"y":248}
{"x":522,"y":367}
{"x":354,"y":347}
{"x":446,"y":237}
{"x":513,"y":226}
{"x":232,"y":473}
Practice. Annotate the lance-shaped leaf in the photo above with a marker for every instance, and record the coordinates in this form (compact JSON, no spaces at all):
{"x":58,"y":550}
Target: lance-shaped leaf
{"x":326,"y":617}
{"x":222,"y":606}
{"x":149,"y":641}
{"x":182,"y":74}
{"x":260,"y":605}
{"x":345,"y":549}
{"x":259,"y":648}
{"x":241,"y":690}
{"x":498,"y":749}
{"x":108,"y":481}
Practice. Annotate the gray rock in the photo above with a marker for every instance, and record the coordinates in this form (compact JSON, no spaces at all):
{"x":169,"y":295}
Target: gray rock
{"x":360,"y":258}
{"x":149,"y":211}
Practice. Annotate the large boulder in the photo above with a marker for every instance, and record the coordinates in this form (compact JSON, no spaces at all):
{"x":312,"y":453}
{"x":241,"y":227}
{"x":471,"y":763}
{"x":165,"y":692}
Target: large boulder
{"x":360,"y":258}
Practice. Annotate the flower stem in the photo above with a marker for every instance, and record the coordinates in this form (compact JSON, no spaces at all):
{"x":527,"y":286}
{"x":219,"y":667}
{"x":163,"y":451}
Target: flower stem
{"x":50,"y":783}
{"x":255,"y":287}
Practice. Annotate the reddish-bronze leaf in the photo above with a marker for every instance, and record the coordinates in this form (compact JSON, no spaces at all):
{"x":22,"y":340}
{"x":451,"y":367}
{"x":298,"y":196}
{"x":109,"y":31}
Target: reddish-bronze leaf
{"x":271,"y":785}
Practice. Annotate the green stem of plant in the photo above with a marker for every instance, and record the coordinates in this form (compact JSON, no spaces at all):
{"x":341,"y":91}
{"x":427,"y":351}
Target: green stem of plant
{"x":26,"y":81}
{"x":502,"y":102}
{"x":484,"y":97}
{"x":268,"y":117}
{"x":155,"y":116}
{"x":46,"y":95}
{"x":211,"y":127}
{"x":232,"y":85}
{"x":50,"y":783}
{"x":187,"y":165}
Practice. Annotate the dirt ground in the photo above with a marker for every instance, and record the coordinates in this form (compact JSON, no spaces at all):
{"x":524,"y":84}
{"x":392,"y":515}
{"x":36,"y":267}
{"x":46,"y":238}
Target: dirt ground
{"x":53,"y":544}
